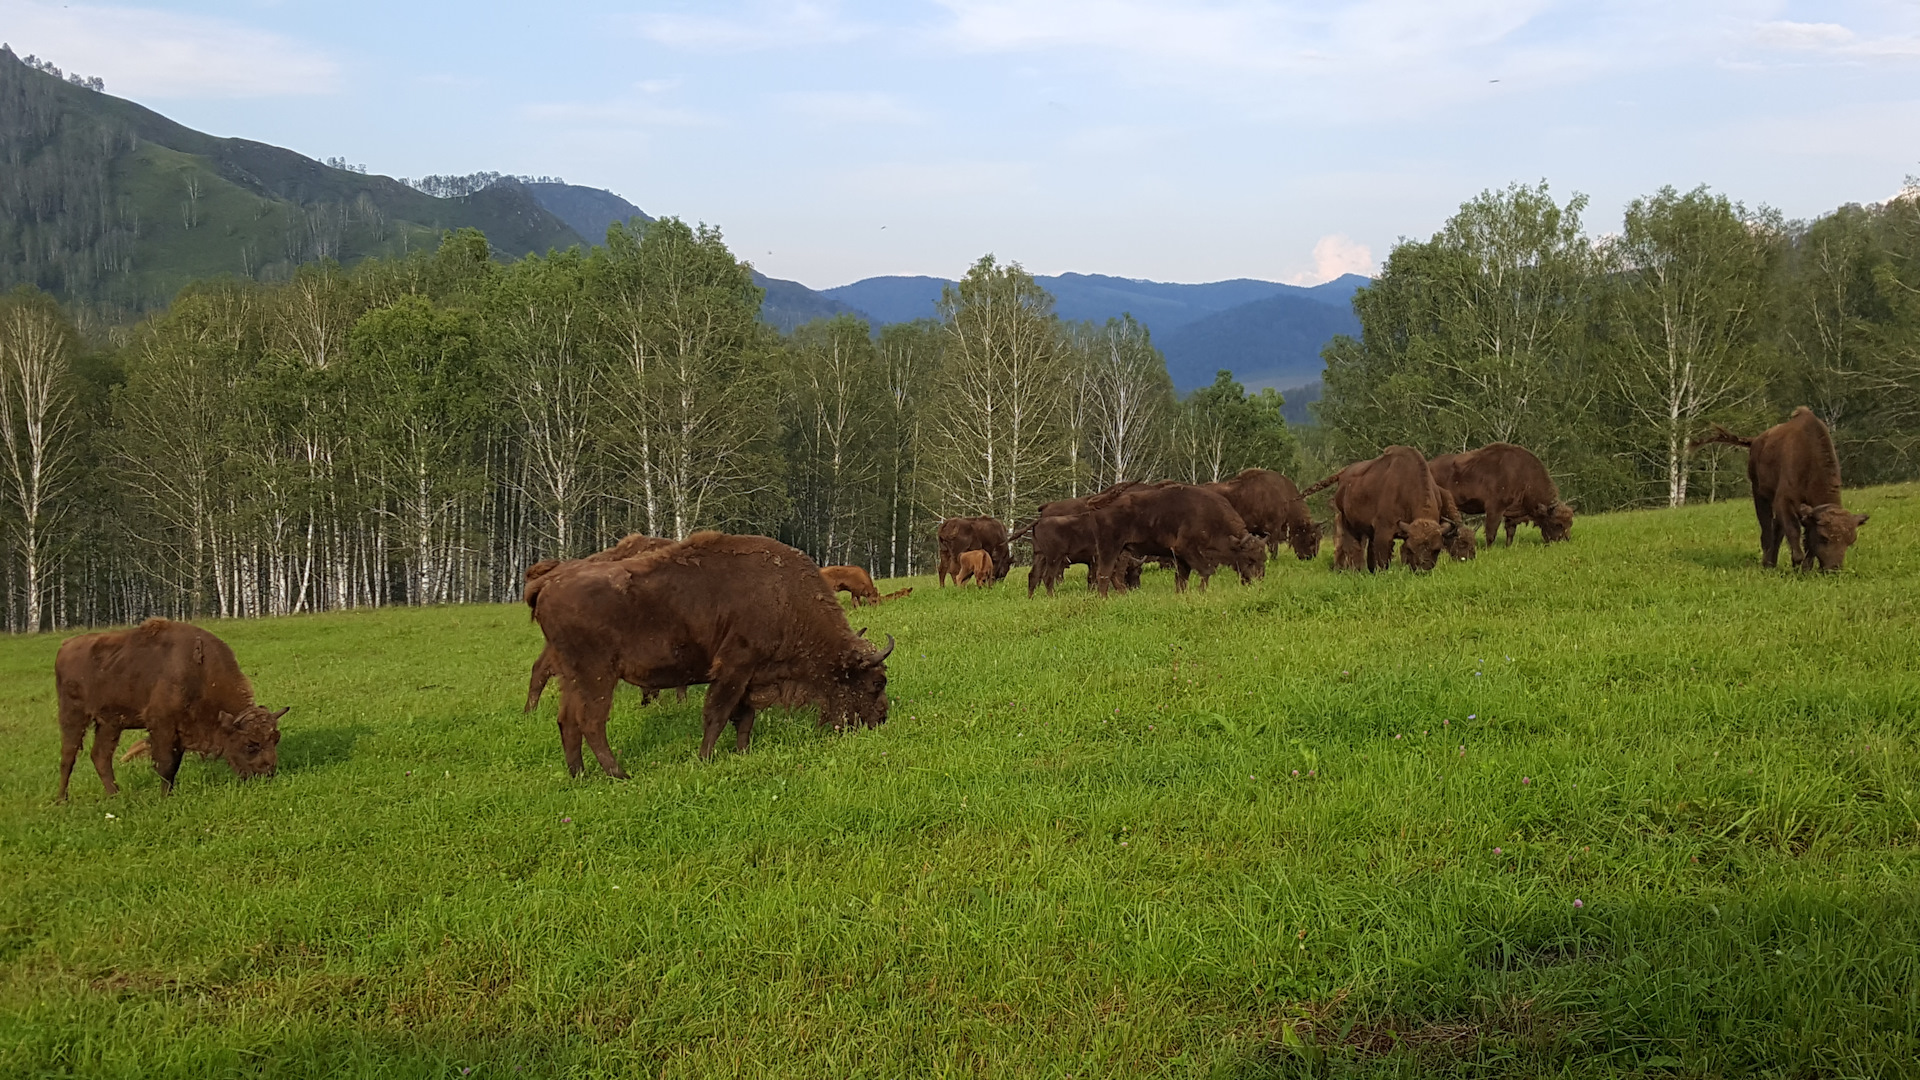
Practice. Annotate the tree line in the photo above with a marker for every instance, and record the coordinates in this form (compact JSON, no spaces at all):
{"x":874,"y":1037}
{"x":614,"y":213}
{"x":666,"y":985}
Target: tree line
{"x":1607,"y":356}
{"x":418,"y":430}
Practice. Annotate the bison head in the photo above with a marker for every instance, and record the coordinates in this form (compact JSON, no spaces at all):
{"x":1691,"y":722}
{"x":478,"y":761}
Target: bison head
{"x":1459,"y":541}
{"x":251,"y":741}
{"x":1830,"y":531}
{"x":861,"y":697}
{"x":1305,"y":540}
{"x":1556,"y":522}
{"x":1248,"y":556}
{"x":1421,"y":541}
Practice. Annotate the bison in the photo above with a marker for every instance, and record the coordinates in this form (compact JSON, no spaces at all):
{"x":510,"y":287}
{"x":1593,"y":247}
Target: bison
{"x":747,"y":615}
{"x":1795,"y":476}
{"x":977,"y":566}
{"x":1508,"y":484}
{"x":178,"y":682}
{"x":1391,"y":497}
{"x":1197,"y":528}
{"x":1273,"y":510}
{"x":857,"y":583}
{"x":959,"y":535}
{"x":1060,"y":542}
{"x":629,"y":546}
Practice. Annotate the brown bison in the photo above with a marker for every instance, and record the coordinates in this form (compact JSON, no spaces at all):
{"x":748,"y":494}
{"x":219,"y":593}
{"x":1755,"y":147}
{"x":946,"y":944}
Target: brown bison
{"x":959,"y":535}
{"x":747,"y":615}
{"x":1391,"y":497}
{"x":857,"y":583}
{"x":1060,"y":542}
{"x":1460,"y":538}
{"x":1197,"y":528}
{"x":630,"y":546}
{"x":1795,"y":476}
{"x":1273,"y":510}
{"x":976,"y":566}
{"x":1508,"y":484}
{"x":179,"y":682}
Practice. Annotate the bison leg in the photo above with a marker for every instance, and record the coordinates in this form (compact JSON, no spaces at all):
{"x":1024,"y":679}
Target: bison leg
{"x":743,"y":726}
{"x":1181,"y":572}
{"x":1771,"y":532}
{"x":1512,"y":524}
{"x":164,"y":745}
{"x":724,"y":695}
{"x":73,"y":729}
{"x":597,"y":741}
{"x":543,"y":669}
{"x":1380,"y":551}
{"x":105,"y":739}
{"x":1492,"y":523}
{"x":584,"y":708}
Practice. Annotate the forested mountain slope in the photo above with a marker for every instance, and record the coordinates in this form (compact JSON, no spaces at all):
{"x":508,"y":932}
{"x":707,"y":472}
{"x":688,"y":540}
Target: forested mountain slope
{"x":109,"y":204}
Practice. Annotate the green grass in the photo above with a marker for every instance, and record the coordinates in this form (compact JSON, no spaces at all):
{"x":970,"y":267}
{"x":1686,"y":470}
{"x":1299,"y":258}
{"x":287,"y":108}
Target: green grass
{"x":1079,"y":848}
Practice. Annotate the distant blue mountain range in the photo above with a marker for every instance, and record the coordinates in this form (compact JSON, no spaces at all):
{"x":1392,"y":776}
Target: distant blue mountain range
{"x":1266,"y":333}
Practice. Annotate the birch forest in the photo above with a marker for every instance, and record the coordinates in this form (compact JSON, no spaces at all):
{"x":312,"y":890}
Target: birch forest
{"x":419,"y":430}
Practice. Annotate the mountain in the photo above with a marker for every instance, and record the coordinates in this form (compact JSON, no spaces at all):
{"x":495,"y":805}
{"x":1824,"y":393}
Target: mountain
{"x":1273,"y":342}
{"x":107,"y":203}
{"x":1266,"y":333}
{"x":587,"y":211}
{"x":789,"y":304}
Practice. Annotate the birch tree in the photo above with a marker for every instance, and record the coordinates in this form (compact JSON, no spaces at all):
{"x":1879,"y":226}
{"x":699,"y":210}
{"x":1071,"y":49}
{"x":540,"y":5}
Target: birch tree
{"x":38,"y":432}
{"x":1690,"y":297}
{"x":1129,"y":401}
{"x":994,"y":443}
{"x":834,"y":394}
{"x":539,"y":340}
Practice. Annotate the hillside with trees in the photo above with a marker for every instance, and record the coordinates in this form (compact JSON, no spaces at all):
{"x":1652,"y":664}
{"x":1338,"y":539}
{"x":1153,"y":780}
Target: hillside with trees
{"x":418,"y":429}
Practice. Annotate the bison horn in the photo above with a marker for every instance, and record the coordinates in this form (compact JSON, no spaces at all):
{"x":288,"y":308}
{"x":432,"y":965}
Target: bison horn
{"x":888,"y":651}
{"x":281,"y":713}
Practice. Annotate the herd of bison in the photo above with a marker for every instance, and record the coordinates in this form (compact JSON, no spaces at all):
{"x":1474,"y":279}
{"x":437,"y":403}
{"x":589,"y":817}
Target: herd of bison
{"x":760,"y":624}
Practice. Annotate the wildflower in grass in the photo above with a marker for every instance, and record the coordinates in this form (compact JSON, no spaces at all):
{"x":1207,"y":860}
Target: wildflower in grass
{"x":1526,"y":781}
{"x":1497,"y":851}
{"x":1473,"y":716}
{"x":1396,"y":736}
{"x":110,"y":817}
{"x":566,"y":821}
{"x":1296,"y":772}
{"x":1578,"y":903}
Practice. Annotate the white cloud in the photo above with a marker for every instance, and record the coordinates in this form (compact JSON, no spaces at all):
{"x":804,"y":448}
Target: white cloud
{"x":144,"y":53}
{"x":764,"y":25}
{"x":1333,"y":256}
{"x":629,"y":113}
{"x":1833,"y":40}
{"x":836,"y":108}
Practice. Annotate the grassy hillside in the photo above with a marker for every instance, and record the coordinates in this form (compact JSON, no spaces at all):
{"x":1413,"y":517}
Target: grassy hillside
{"x":1629,"y":806}
{"x":109,"y":203}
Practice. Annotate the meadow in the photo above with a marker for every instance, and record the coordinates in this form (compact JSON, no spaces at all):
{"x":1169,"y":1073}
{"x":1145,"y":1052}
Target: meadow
{"x":1629,"y":806}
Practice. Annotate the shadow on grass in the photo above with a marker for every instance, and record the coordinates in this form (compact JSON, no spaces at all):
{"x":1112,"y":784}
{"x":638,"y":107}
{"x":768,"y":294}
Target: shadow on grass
{"x":303,"y":749}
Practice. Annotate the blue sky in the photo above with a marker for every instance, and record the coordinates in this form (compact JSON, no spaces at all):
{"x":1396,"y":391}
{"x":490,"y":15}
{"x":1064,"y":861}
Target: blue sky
{"x":1175,"y":141}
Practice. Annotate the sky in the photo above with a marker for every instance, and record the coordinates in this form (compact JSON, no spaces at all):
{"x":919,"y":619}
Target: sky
{"x":1292,"y":140}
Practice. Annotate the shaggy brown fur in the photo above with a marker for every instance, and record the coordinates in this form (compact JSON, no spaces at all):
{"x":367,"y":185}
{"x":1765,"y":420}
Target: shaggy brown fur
{"x":1060,"y":542}
{"x":1273,"y":509}
{"x":1391,"y":497}
{"x":179,"y":682}
{"x":748,"y":615}
{"x":1509,"y":485}
{"x":959,"y":535}
{"x":976,"y":566}
{"x":1795,"y":475}
{"x":1197,"y":528}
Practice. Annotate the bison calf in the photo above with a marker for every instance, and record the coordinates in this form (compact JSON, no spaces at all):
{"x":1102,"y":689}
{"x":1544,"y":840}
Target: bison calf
{"x":178,"y":682}
{"x":976,"y":565}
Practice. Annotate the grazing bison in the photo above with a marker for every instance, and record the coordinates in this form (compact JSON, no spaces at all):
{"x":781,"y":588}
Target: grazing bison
{"x":959,"y":535}
{"x":857,"y":583}
{"x":630,"y":546}
{"x":1060,"y":542}
{"x":1795,"y":476}
{"x":976,"y":565}
{"x":179,"y":682}
{"x":1273,"y":510}
{"x":747,"y":615}
{"x":1391,"y":497}
{"x":1460,"y":538}
{"x":1197,"y":528}
{"x":1077,"y":506}
{"x":1508,"y":484}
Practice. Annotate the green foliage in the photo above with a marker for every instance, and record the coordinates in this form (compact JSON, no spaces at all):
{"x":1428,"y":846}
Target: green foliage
{"x":1078,"y":846}
{"x":1221,"y":429}
{"x":1608,"y":357}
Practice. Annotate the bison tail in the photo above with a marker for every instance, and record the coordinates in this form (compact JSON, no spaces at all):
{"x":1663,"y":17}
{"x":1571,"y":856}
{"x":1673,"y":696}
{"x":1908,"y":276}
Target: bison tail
{"x":1720,"y":435}
{"x":895,"y":595}
{"x":1321,"y":485}
{"x":136,"y":750}
{"x":1023,"y":530}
